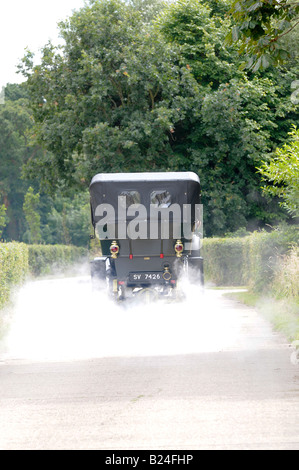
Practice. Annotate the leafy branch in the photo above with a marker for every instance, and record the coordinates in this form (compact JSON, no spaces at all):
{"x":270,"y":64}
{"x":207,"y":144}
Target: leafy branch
{"x":258,"y":26}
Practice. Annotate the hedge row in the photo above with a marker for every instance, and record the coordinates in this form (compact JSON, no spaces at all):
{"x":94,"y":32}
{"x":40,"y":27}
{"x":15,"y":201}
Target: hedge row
{"x":223,"y":261}
{"x":254,"y":260}
{"x":286,"y":280}
{"x":44,"y":259}
{"x":261,"y":261}
{"x":18,"y":260}
{"x":14,"y":267}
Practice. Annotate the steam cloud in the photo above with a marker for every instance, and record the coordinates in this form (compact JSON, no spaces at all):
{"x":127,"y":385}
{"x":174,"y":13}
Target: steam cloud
{"x":65,"y":319}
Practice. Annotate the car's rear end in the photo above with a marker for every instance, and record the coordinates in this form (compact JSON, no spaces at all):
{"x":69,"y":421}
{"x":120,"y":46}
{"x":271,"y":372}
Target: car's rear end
{"x":141,"y":220}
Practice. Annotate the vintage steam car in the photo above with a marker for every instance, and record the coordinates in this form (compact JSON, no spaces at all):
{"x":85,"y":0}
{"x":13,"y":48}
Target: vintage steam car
{"x":149,"y":226}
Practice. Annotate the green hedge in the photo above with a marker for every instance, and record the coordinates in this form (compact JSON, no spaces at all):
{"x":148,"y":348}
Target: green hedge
{"x":223,"y":260}
{"x":286,"y":280}
{"x":18,"y":260}
{"x":14,"y":267}
{"x":253,"y":260}
{"x":44,"y":259}
{"x":264,"y":254}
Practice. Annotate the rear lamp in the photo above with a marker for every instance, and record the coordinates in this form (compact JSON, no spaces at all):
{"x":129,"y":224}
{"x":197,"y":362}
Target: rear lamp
{"x":114,"y":249}
{"x":179,"y":248}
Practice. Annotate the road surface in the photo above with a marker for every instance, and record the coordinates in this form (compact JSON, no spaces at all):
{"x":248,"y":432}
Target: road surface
{"x":78,"y":372}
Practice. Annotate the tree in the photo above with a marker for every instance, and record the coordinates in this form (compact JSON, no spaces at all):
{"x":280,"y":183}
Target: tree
{"x":67,"y":220}
{"x":30,"y":208}
{"x":200,"y":29}
{"x":110,"y":100}
{"x":15,"y":119}
{"x":230,"y":139}
{"x":283,"y":172}
{"x":235,"y":126}
{"x":129,"y":93}
{"x":260,"y":25}
{"x":3,"y":219}
{"x":149,"y":9}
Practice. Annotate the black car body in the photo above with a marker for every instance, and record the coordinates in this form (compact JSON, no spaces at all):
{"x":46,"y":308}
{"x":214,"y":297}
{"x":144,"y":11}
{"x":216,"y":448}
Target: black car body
{"x":149,"y":226}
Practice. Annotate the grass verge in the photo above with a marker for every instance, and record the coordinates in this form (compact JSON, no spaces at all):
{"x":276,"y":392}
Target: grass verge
{"x":283,"y":314}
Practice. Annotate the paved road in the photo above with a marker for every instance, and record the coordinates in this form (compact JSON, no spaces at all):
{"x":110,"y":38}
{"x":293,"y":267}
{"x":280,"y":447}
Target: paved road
{"x":76,"y":372}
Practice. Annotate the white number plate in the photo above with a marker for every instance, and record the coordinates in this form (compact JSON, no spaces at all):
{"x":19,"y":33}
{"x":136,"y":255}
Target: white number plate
{"x":140,"y":277}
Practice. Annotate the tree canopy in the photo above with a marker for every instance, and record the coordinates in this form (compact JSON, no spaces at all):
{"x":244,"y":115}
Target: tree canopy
{"x":261,"y":25}
{"x":147,"y":86}
{"x":118,"y":86}
{"x":26,"y":215}
{"x":282,"y":174}
{"x":15,"y":119}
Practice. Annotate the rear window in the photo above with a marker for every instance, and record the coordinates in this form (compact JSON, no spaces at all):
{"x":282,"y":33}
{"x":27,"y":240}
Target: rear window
{"x":161,"y":198}
{"x":129,"y":198}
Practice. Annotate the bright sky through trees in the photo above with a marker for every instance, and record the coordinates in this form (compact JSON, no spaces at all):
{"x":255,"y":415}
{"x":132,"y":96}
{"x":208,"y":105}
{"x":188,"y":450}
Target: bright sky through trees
{"x":28,"y":24}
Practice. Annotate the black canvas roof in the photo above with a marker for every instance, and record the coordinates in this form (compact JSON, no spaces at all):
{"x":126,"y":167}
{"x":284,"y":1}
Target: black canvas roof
{"x":105,"y":188}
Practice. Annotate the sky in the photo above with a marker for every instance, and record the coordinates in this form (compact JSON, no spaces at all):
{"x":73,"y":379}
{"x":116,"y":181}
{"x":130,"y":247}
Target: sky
{"x":28,"y":23}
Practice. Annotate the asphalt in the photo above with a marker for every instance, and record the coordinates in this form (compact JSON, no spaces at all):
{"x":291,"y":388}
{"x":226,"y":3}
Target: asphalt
{"x":79,"y":372}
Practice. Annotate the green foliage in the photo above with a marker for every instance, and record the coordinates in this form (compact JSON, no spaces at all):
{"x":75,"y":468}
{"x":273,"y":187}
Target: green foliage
{"x":127,"y":93}
{"x":286,"y":278}
{"x":263,"y":254}
{"x":238,"y":123}
{"x":16,"y":91}
{"x":61,"y":222}
{"x":3,"y":219}
{"x":45,"y":259}
{"x":223,"y":260}
{"x":230,"y":139}
{"x":111,"y":99}
{"x":15,"y":118}
{"x":18,"y":260}
{"x":13,"y":268}
{"x":200,"y":29}
{"x":281,"y":312}
{"x":67,"y":220}
{"x":259,"y":26}
{"x":16,"y":149}
{"x":253,"y":260}
{"x":283,"y":172}
{"x":148,"y":9}
{"x":30,"y":207}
